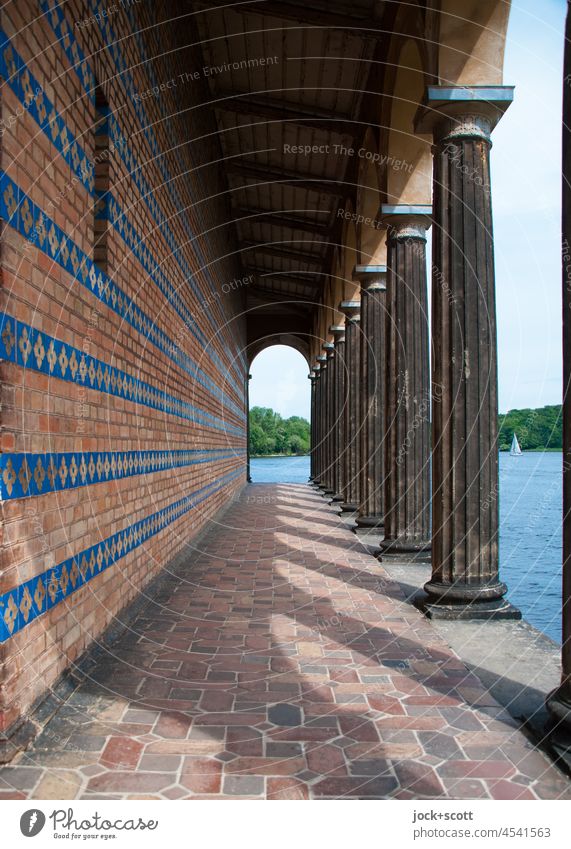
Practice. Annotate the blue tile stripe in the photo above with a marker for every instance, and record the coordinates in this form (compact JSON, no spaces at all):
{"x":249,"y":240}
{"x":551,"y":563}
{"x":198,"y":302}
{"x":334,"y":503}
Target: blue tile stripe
{"x":30,"y":221}
{"x":72,"y":50}
{"x":122,"y":225}
{"x":30,"y":92}
{"x":23,"y":475}
{"x":23,"y":604}
{"x":174,"y":143}
{"x":30,"y":348}
{"x":138,"y":247}
{"x":125,"y":78}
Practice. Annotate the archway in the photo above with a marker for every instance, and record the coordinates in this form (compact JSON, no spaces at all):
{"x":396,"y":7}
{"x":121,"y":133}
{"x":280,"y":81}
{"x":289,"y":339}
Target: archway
{"x":279,"y":402}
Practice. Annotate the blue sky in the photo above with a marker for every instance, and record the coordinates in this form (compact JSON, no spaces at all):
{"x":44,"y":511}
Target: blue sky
{"x":526,"y":195}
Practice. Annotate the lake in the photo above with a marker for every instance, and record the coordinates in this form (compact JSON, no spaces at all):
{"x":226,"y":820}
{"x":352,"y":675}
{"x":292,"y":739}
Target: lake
{"x":530,"y":528}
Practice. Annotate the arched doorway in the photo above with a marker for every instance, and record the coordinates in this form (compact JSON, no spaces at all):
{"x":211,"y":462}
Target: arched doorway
{"x":279,"y":401}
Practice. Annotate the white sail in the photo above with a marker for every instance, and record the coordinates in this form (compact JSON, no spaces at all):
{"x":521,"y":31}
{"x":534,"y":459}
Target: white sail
{"x":515,"y":450}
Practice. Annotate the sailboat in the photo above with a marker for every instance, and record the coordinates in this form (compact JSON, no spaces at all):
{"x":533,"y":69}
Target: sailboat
{"x":515,"y":450}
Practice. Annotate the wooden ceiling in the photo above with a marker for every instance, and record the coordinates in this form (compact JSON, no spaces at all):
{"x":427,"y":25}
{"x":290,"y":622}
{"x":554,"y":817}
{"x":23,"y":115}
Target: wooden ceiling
{"x":288,"y":82}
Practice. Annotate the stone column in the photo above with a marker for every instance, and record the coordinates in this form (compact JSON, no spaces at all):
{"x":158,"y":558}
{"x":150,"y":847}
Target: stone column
{"x":329,"y":350}
{"x":321,"y":422}
{"x":248,"y":475}
{"x":559,"y":702}
{"x":465,"y":575}
{"x":313,"y":378}
{"x":338,"y":331}
{"x":352,"y":424}
{"x":315,"y":427}
{"x":373,"y":316}
{"x":407,"y":411}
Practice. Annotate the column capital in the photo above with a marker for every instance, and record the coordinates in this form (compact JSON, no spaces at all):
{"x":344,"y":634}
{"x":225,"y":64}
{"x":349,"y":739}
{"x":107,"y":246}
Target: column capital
{"x":462,"y":111}
{"x":406,"y":221}
{"x":322,"y":360}
{"x":373,"y":278}
{"x":338,"y":331}
{"x":351,"y":310}
{"x":329,"y":349}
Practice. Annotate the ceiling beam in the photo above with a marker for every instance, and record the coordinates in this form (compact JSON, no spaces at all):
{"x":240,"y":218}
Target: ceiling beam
{"x":308,"y":281}
{"x":279,"y":110}
{"x":322,"y":16}
{"x":284,"y":253}
{"x":292,"y":222}
{"x":276,"y":296}
{"x":268,"y":174}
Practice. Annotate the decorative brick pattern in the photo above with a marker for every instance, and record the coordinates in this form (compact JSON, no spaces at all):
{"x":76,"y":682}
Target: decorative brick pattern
{"x":26,"y":217}
{"x":32,"y":349}
{"x":120,"y":143}
{"x":122,"y":380}
{"x":39,"y":107}
{"x":23,"y":475}
{"x":20,"y":606}
{"x":281,"y":662}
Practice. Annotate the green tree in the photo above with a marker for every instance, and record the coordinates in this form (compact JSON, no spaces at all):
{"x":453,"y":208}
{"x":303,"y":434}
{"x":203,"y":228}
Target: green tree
{"x":271,"y":434}
{"x":535,"y":429}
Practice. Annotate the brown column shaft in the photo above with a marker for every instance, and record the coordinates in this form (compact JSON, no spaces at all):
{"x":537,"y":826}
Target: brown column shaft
{"x":318,"y":393}
{"x":326,"y":373}
{"x":373,"y":355}
{"x":313,"y":380}
{"x":407,"y":452}
{"x":338,"y":411}
{"x":248,"y":474}
{"x":330,"y":417}
{"x":559,"y":702}
{"x":353,"y":407}
{"x":322,"y":359}
{"x":465,"y":571}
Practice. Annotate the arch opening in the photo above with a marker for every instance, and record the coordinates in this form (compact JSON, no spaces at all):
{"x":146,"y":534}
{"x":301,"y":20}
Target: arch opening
{"x":279,"y":416}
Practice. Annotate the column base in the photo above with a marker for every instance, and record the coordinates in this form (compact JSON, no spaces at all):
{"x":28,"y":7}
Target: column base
{"x":466,"y":601}
{"x":371,"y":522}
{"x":337,"y":498}
{"x":404,"y":546}
{"x":559,"y":737}
{"x":559,"y":706}
{"x":349,"y":506}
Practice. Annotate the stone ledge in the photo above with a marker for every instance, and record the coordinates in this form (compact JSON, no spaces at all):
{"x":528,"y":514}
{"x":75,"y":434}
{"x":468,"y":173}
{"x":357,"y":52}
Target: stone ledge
{"x":518,"y":664}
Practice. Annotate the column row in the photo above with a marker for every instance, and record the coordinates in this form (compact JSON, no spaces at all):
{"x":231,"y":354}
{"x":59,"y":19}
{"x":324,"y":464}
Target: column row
{"x":395,"y":445}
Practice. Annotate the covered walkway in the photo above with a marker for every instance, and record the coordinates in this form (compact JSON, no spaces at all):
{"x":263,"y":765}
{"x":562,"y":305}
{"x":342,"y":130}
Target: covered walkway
{"x":279,"y":661}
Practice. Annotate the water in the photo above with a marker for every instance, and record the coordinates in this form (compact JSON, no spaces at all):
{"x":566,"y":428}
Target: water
{"x":280,"y":469}
{"x":530,"y":536}
{"x":530,"y":528}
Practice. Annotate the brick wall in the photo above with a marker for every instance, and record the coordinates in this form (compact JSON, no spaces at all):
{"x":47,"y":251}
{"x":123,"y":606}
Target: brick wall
{"x":123,"y":419}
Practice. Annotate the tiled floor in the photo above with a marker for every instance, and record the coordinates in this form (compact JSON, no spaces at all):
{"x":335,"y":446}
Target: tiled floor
{"x":281,"y":662}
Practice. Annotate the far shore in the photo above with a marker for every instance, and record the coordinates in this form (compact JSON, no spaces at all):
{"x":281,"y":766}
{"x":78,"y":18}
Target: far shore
{"x":534,"y":450}
{"x":274,"y":456}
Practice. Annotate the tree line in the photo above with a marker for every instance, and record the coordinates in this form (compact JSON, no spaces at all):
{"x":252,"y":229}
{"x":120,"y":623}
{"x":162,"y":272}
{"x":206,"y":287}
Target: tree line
{"x":271,"y":434}
{"x":535,"y":429}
